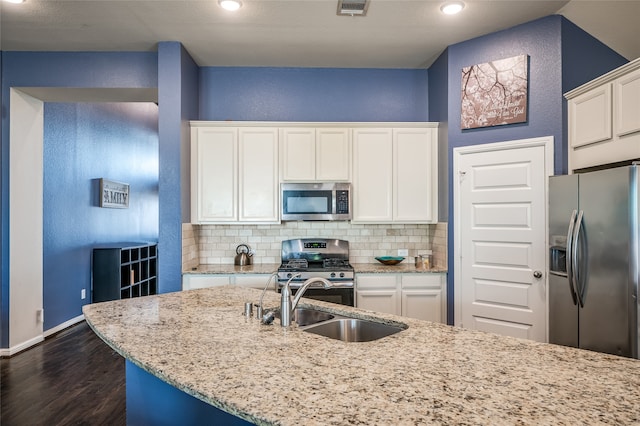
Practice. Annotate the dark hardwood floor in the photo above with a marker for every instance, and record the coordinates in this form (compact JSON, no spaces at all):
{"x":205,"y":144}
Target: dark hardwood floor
{"x":72,"y":378}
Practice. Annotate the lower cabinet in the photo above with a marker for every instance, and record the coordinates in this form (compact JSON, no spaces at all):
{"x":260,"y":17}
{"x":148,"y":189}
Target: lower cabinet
{"x":194,"y":281}
{"x":421,"y":296}
{"x":378,"y":292}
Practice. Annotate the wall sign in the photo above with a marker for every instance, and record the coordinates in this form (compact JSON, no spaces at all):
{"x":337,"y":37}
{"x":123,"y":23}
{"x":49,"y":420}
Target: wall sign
{"x":114,"y":194}
{"x":495,"y":93}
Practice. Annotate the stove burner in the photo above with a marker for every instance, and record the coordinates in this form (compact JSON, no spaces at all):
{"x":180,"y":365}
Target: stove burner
{"x":297,"y":264}
{"x":335,"y":263}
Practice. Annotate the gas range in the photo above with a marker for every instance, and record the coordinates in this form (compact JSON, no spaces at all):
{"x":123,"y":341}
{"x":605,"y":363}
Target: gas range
{"x":316,"y":257}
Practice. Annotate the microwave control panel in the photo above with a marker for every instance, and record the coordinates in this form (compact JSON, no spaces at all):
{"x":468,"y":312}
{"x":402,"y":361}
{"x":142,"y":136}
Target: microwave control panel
{"x":342,"y":202}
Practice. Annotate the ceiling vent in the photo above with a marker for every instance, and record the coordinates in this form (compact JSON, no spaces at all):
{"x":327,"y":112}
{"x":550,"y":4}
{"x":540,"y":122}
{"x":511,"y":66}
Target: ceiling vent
{"x":352,"y":7}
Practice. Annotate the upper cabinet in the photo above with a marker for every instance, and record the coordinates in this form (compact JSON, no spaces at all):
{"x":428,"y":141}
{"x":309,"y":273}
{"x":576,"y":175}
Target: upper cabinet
{"x":604,"y":119}
{"x":315,"y":154}
{"x":234,"y":174}
{"x":236,"y":169}
{"x":395,"y":176}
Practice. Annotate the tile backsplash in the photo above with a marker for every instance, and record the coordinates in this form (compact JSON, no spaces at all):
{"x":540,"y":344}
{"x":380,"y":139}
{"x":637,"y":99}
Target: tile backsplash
{"x":216,"y":244}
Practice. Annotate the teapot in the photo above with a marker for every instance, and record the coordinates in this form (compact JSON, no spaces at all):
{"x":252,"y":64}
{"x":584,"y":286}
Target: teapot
{"x":243,"y":255}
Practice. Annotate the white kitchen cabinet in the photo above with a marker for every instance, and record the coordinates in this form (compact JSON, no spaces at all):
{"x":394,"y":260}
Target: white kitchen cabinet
{"x":253,"y":281}
{"x":234,"y":175}
{"x":421,"y":296}
{"x":315,"y":154}
{"x":395,"y":175}
{"x":214,"y":159}
{"x":259,"y":189}
{"x":604,"y":119}
{"x":372,"y":175}
{"x":378,"y":292}
{"x":195,"y":281}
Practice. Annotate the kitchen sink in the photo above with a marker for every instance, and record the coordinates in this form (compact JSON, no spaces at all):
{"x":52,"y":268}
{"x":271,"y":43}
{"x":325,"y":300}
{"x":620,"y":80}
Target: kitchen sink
{"x":306,"y":316}
{"x":353,"y":330}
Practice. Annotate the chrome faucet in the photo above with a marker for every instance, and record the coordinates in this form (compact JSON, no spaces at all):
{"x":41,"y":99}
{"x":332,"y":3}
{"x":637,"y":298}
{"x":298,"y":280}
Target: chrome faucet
{"x":286,"y":306}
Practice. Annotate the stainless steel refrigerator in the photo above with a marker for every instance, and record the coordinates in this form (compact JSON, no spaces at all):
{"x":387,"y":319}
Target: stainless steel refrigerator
{"x":594,"y":260}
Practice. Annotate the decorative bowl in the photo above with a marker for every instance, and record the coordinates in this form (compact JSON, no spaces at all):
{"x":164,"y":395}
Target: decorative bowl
{"x":389,"y":260}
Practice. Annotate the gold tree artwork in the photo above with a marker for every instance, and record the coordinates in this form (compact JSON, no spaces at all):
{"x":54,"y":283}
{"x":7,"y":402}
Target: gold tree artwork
{"x":495,"y":93}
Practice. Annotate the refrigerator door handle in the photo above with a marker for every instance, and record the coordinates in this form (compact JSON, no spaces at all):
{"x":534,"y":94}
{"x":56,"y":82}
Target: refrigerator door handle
{"x":569,"y":258}
{"x":579,"y":289}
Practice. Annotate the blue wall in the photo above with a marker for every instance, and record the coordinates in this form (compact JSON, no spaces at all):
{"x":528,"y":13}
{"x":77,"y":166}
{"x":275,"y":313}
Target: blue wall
{"x":59,"y":70}
{"x":82,"y":143}
{"x":313,"y":94}
{"x":542,"y":40}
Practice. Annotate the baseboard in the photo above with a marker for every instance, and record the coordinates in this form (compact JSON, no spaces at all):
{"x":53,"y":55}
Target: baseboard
{"x":22,"y":346}
{"x":7,"y":352}
{"x":66,"y":324}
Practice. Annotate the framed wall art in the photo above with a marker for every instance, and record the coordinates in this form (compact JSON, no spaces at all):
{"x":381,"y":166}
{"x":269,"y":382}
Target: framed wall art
{"x":495,"y":93}
{"x":114,"y":195}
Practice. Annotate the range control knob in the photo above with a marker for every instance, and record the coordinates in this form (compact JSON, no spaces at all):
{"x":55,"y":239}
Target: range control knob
{"x":289,"y":275}
{"x":341,"y":274}
{"x":333,"y":275}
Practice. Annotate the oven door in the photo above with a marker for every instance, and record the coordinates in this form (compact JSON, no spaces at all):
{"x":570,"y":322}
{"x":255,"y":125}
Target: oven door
{"x":338,"y":295}
{"x":341,"y":296}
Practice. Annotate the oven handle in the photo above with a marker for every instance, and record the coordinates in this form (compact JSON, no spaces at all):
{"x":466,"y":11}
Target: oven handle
{"x":334,"y":284}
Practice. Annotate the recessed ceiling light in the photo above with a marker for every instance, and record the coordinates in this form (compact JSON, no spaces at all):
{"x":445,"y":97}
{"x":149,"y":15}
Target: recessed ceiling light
{"x":452,"y":7}
{"x":231,"y":5}
{"x":15,"y":1}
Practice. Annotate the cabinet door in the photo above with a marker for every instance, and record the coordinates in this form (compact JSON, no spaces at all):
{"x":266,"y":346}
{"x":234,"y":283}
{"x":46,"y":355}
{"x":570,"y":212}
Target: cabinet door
{"x":590,"y":117}
{"x":258,"y":175}
{"x":298,"y":154}
{"x":423,"y":296}
{"x":192,"y":282}
{"x":372,"y":175}
{"x":333,"y":155}
{"x":378,"y":300}
{"x":254,"y":281}
{"x":627,"y":99}
{"x":378,"y":292}
{"x":213,"y":175}
{"x":415,"y":175}
{"x":422,"y":304}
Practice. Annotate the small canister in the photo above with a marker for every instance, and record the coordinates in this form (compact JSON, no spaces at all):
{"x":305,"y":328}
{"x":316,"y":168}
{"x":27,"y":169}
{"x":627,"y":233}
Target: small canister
{"x":419,"y":262}
{"x":248,"y":309}
{"x":428,"y":259}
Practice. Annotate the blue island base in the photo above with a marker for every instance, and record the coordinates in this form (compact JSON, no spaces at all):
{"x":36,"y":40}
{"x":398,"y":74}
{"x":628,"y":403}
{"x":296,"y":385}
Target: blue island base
{"x":152,"y":402}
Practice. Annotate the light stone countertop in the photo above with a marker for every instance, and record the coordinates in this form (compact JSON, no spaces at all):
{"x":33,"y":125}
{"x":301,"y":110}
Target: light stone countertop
{"x":268,"y":268}
{"x":430,"y":373}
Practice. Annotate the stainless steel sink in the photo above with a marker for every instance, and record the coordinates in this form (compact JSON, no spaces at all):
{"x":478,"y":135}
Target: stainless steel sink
{"x":353,"y":330}
{"x":305,"y":316}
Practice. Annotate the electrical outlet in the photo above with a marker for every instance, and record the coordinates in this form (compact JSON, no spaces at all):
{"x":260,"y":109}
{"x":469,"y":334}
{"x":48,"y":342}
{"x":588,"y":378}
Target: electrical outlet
{"x":83,"y":294}
{"x":403,"y":252}
{"x":40,"y":315}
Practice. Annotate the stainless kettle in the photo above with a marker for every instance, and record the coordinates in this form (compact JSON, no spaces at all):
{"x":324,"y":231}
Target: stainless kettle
{"x":243,"y":255}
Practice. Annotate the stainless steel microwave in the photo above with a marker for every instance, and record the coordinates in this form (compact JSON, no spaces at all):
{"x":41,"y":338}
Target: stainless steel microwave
{"x":316,"y":201}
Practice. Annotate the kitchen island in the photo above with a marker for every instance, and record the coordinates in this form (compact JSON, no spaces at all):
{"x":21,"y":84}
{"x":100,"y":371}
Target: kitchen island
{"x":199,"y":342}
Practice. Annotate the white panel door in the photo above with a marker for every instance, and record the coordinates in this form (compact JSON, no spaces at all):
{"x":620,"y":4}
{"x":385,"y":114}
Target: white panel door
{"x":414,"y":177}
{"x":333,"y":154}
{"x":372,"y":175}
{"x":502,"y":233}
{"x":627,"y":95}
{"x":258,"y":178}
{"x":214,"y":169}
{"x":298,"y":154}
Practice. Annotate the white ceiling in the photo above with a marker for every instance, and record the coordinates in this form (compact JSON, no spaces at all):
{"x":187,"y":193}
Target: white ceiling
{"x":296,"y":33}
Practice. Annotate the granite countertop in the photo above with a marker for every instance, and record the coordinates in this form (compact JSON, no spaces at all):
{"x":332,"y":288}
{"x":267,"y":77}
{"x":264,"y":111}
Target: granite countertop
{"x":268,"y":268}
{"x":199,"y":342}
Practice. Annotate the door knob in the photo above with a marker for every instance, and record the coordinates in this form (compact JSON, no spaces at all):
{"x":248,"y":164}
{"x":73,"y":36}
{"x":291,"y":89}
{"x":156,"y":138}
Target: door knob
{"x":537,"y":274}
